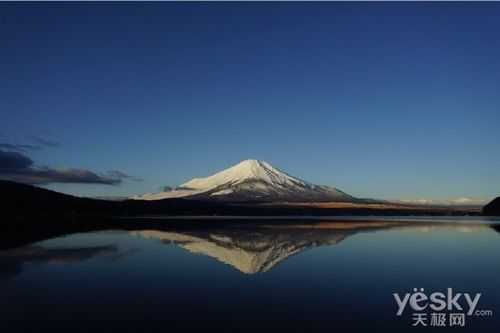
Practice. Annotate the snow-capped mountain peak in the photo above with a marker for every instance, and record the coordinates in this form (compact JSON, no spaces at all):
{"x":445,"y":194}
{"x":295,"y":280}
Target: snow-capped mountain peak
{"x":251,"y":180}
{"x":241,"y":172}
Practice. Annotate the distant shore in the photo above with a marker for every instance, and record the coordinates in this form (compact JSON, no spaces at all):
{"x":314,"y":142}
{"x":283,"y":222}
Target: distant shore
{"x":19,"y":232}
{"x":24,"y":202}
{"x":31,"y":213}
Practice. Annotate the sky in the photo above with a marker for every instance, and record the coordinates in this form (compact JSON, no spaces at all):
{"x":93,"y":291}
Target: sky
{"x":382,"y":100}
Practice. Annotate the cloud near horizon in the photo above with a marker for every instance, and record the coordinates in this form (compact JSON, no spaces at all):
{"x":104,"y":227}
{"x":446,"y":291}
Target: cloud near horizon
{"x":122,"y":175}
{"x":19,"y":148}
{"x":18,"y":167}
{"x":39,"y":143}
{"x":45,"y":142}
{"x":450,"y":201}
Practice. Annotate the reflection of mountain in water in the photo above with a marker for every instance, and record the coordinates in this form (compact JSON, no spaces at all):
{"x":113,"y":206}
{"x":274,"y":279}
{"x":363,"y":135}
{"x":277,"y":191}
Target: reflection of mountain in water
{"x":253,"y":250}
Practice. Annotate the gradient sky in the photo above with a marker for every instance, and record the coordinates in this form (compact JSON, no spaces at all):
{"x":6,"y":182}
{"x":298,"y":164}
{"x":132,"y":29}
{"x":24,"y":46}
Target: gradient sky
{"x":385,"y":100}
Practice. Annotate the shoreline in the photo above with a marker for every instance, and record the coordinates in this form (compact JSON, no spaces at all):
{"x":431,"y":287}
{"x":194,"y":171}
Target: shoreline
{"x":18,"y":233}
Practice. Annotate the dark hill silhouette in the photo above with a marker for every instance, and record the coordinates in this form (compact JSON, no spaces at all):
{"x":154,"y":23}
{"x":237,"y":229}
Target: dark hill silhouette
{"x":31,"y":213}
{"x":26,"y":200}
{"x":20,"y":200}
{"x":493,"y":208}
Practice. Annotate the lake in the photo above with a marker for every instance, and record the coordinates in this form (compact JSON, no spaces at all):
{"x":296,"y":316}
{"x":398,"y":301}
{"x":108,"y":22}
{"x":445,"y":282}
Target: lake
{"x":300,"y":275}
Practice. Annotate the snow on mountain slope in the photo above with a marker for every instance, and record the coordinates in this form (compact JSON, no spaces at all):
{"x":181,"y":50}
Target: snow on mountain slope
{"x":246,"y":170}
{"x":251,"y":180}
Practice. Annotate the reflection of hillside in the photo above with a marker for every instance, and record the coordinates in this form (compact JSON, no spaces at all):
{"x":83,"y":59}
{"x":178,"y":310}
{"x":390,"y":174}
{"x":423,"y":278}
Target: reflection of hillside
{"x":11,"y":261}
{"x":496,"y":227}
{"x":258,"y":249}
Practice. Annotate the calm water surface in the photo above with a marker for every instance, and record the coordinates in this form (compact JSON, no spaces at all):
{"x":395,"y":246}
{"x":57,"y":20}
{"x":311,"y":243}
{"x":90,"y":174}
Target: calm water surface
{"x":323,"y":275}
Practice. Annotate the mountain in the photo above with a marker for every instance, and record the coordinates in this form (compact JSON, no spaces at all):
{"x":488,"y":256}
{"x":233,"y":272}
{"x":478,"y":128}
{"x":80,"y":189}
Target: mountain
{"x":493,"y":208}
{"x":252,"y":180}
{"x":26,"y":204}
{"x":249,"y":251}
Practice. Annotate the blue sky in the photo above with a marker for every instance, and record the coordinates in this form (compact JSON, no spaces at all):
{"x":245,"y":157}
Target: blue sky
{"x":386,"y":100}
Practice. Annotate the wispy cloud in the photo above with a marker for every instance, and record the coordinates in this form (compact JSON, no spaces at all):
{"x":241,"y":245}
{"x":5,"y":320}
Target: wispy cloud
{"x":20,"y":148}
{"x":44,"y":141}
{"x":18,"y":167}
{"x":39,"y":143}
{"x":122,"y":175}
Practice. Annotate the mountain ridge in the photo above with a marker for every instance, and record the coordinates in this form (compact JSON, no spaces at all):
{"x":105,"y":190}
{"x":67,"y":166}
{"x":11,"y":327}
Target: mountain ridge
{"x":252,"y":180}
{"x":28,"y":206}
{"x":492,"y":208}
